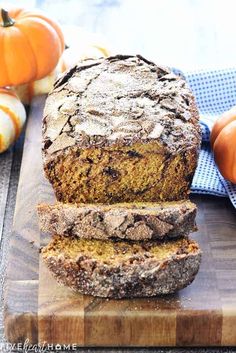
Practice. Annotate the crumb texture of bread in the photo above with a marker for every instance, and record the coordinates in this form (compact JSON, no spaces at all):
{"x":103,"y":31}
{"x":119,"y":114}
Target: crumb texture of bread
{"x":120,"y":129}
{"x":137,"y":221}
{"x":122,"y":269}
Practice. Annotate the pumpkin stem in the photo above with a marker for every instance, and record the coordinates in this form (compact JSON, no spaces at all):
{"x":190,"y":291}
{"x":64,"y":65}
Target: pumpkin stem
{"x":6,"y":19}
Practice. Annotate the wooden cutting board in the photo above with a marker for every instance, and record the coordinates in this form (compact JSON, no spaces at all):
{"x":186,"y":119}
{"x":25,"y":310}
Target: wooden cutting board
{"x":37,"y":308}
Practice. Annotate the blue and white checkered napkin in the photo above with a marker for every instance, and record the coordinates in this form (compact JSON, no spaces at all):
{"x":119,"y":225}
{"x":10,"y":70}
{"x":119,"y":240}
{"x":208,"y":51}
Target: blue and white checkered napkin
{"x":215,"y":92}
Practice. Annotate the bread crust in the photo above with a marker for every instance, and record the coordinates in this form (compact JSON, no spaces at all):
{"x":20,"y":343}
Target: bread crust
{"x":152,"y":104}
{"x":139,"y":275}
{"x":138,"y":221}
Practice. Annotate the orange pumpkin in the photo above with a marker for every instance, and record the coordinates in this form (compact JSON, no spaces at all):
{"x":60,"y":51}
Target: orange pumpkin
{"x":30,"y":46}
{"x":12,"y":118}
{"x":223,"y":142}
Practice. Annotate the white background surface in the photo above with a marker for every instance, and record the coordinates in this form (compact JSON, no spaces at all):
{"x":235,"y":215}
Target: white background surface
{"x":189,"y":34}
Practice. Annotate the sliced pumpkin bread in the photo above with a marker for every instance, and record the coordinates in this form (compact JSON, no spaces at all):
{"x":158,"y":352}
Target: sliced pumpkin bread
{"x":120,"y":129}
{"x":119,"y":269}
{"x":135,"y":221}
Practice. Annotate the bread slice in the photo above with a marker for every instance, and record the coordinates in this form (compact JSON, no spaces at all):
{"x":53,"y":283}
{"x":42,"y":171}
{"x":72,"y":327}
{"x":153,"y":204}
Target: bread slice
{"x":138,"y":221}
{"x":122,"y":269}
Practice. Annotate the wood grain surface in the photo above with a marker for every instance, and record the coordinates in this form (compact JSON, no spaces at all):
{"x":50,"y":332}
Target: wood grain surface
{"x":37,"y":308}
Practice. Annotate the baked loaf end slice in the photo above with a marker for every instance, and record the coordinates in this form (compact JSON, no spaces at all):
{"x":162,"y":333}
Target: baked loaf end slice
{"x":137,"y":221}
{"x":122,"y":269}
{"x":120,"y":129}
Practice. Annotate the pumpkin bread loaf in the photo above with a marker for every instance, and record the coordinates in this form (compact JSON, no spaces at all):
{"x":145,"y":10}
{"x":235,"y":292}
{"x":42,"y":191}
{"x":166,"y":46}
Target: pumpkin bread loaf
{"x":122,"y":269}
{"x":139,"y":221}
{"x":120,"y":129}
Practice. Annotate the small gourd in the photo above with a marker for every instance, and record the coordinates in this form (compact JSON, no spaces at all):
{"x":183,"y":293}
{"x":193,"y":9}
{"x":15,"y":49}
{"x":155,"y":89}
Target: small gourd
{"x":12,"y":118}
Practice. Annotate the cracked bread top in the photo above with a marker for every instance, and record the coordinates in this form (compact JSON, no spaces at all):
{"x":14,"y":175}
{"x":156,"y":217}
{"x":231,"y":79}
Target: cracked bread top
{"x":132,"y":221}
{"x":120,"y":100}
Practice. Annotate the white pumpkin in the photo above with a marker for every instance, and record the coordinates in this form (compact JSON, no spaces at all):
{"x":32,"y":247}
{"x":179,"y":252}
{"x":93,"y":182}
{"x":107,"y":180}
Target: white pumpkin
{"x":12,"y":118}
{"x":36,"y":88}
{"x":73,"y":55}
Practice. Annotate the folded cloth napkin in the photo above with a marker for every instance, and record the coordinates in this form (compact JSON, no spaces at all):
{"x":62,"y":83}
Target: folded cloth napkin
{"x":215,"y":92}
